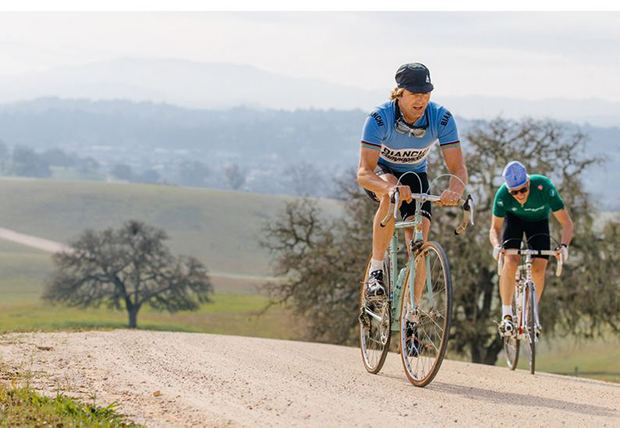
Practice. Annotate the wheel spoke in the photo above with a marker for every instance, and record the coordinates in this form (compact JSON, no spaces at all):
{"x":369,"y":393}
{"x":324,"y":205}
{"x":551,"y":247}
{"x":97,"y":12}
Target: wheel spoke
{"x":431,"y":319}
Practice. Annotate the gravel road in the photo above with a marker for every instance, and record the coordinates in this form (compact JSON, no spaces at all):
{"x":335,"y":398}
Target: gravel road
{"x":187,"y":379}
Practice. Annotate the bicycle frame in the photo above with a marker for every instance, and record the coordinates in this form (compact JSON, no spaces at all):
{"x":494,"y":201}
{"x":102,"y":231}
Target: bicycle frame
{"x":526,"y":287}
{"x":399,"y":274}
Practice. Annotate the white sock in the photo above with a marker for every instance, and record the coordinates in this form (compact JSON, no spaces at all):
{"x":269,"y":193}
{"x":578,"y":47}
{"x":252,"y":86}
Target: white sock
{"x":506,"y":310}
{"x":376,"y":265}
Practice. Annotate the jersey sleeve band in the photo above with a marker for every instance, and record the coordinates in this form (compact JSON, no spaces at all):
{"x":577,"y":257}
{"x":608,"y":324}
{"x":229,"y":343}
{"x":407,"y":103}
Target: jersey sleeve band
{"x":448,"y":145}
{"x":372,"y":146}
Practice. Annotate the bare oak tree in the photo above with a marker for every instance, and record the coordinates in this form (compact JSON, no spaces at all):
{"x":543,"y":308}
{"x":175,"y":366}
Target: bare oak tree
{"x":127,"y":268}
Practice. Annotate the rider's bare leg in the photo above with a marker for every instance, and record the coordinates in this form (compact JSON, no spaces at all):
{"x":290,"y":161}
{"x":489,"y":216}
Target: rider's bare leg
{"x":539,"y":266}
{"x":381,"y":235}
{"x":420,"y":268}
{"x":507,"y":279}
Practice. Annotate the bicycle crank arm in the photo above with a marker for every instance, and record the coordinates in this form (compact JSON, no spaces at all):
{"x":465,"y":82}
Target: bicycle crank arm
{"x":372,"y":314}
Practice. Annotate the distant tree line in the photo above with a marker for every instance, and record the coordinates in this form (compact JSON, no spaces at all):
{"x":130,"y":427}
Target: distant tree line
{"x":23,"y":161}
{"x":297,"y":178}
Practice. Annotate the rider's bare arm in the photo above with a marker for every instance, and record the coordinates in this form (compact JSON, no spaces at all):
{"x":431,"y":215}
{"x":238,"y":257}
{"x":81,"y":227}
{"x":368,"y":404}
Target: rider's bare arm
{"x":367,"y":178}
{"x":495,"y":232}
{"x":567,"y":225}
{"x":453,"y":157}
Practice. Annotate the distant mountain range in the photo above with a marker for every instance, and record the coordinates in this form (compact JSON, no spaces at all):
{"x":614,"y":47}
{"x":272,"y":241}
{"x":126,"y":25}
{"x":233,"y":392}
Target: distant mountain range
{"x":222,"y":86}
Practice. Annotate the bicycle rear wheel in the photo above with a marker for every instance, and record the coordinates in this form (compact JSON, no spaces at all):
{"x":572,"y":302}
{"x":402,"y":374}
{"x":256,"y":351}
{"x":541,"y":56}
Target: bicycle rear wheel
{"x":531,"y":326}
{"x":375,"y":333}
{"x":425,"y":328}
{"x":511,"y":344}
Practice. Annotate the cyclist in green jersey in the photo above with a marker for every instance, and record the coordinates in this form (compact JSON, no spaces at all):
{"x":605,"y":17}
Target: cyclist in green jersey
{"x":523,"y":205}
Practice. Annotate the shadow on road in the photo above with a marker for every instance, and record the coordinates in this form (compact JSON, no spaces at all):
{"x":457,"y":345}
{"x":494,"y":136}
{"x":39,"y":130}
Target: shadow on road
{"x":526,"y":400}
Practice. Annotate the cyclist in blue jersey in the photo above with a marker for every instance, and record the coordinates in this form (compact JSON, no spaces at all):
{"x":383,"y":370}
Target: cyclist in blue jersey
{"x":397,"y":137}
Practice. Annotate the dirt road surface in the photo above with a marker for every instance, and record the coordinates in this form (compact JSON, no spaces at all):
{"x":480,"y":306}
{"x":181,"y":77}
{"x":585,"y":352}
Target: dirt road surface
{"x":187,"y":379}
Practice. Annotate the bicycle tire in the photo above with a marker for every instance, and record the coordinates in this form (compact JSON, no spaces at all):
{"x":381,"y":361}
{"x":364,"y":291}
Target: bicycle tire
{"x":511,"y":344}
{"x":374,"y":358}
{"x":431,"y":318}
{"x":531,"y":327}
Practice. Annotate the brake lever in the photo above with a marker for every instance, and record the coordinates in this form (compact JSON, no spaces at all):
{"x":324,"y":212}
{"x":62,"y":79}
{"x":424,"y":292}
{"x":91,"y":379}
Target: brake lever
{"x":468,"y":209}
{"x":395,"y":200}
{"x":469,"y":205}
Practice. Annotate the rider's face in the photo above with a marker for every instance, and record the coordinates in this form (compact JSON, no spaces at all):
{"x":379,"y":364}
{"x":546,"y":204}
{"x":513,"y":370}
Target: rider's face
{"x":521,"y":193}
{"x":412,"y":105}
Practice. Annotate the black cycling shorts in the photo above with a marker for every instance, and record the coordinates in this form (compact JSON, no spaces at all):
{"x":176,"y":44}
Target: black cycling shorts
{"x":407,"y":208}
{"x":536,"y":232}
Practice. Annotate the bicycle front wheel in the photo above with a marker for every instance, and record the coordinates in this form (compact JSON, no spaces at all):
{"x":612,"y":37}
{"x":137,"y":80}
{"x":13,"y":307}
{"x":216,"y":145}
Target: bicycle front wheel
{"x":531,"y":326}
{"x":511,"y":343}
{"x":425,"y":326}
{"x":374,"y":324}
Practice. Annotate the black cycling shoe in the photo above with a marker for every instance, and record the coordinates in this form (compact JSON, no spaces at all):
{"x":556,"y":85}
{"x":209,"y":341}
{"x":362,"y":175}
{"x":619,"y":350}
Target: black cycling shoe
{"x":375,"y":287}
{"x":413,"y":346}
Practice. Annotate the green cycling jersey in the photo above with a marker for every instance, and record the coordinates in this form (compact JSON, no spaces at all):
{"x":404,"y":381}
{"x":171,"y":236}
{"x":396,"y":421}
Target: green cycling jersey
{"x":542,"y":199}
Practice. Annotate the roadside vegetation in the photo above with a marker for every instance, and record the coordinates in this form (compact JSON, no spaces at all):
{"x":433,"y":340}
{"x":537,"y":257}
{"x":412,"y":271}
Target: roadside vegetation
{"x":22,"y":406}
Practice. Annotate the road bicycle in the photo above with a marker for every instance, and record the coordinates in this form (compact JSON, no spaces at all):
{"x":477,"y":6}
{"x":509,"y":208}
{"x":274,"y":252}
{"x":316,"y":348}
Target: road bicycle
{"x":525,"y":306}
{"x":418,"y":300}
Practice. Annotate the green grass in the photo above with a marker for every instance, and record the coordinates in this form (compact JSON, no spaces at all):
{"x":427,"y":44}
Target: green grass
{"x":220,"y":228}
{"x":570,"y":356}
{"x":228,"y":314}
{"x":25,"y":407}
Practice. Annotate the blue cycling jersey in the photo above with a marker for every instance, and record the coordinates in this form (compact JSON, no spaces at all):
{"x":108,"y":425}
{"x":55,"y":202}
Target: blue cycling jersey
{"x":405,"y":152}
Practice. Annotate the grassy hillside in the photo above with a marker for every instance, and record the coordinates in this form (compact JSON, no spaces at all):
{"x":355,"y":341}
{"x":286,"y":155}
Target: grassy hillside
{"x":24,"y":271}
{"x":220,"y":228}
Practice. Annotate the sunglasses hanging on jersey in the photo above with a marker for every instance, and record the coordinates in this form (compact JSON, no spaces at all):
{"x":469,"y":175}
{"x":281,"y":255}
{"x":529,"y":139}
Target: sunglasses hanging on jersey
{"x":403,"y":127}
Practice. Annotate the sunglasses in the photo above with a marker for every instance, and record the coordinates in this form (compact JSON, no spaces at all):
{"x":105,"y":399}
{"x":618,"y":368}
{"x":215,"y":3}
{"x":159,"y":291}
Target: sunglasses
{"x":522,"y":190}
{"x":402,"y":127}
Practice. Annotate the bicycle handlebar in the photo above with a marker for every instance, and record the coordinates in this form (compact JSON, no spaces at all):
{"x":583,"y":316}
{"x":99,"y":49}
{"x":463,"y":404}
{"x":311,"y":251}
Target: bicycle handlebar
{"x":514,"y":251}
{"x":467,"y":205}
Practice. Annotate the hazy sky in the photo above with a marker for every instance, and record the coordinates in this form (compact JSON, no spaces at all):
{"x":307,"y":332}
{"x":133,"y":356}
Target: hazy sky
{"x":528,"y":55}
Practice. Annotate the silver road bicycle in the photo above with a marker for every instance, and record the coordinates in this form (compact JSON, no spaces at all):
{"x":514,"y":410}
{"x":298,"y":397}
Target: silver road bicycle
{"x":525,"y":306}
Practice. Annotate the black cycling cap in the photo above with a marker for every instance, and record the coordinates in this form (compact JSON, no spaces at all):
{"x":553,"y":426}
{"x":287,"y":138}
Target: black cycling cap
{"x":414,"y":77}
